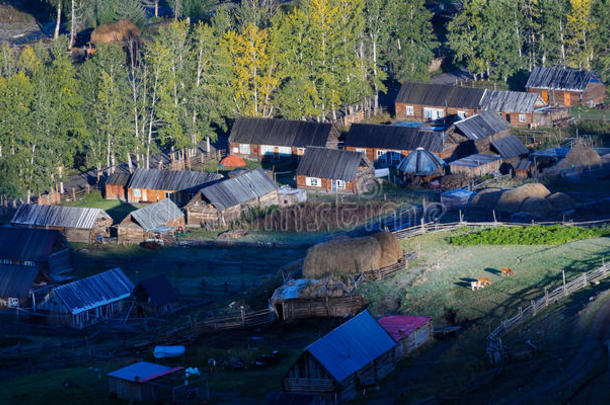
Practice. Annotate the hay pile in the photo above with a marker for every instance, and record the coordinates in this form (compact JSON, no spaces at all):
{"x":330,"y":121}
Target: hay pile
{"x":581,"y":155}
{"x":561,"y":202}
{"x":351,"y":256}
{"x":115,"y":33}
{"x":511,"y":200}
{"x":487,"y":199}
{"x":537,"y":207}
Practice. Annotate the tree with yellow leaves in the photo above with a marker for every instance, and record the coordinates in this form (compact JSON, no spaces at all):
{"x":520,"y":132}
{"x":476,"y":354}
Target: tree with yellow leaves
{"x":579,"y":27}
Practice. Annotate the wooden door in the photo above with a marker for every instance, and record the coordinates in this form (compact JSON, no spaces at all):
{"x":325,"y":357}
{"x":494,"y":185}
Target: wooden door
{"x":567,"y":98}
{"x":545,"y":96}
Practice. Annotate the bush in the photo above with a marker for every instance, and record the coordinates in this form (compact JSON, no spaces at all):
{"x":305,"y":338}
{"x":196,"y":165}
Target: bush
{"x":528,"y":235}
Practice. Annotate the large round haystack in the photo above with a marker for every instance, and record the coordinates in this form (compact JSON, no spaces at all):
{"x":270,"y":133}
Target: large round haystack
{"x":349,"y":256}
{"x":391,"y":251}
{"x":581,"y":155}
{"x":116,"y":33}
{"x":561,"y":202}
{"x":537,"y":207}
{"x":511,"y":200}
{"x":486,"y":199}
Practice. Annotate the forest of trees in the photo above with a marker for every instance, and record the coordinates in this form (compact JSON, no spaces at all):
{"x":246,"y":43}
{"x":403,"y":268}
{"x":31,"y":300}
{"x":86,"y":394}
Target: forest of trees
{"x":191,"y":75}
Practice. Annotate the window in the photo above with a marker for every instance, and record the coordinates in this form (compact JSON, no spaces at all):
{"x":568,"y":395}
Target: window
{"x":244,"y":148}
{"x":522,"y":117}
{"x":137,"y":192}
{"x":285,"y":151}
{"x":235,"y":149}
{"x":313,"y":182}
{"x":340,"y":184}
{"x":462,"y":114}
{"x":361,"y":150}
{"x":300,"y":151}
{"x":433,"y":113}
{"x":410,"y":111}
{"x":381,"y":154}
{"x":13,"y":302}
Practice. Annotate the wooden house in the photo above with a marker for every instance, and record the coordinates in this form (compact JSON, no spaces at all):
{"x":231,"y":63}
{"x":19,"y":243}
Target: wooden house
{"x":156,"y":295}
{"x":218,"y":205}
{"x":386,"y":145}
{"x":146,"y":382}
{"x":150,"y":222}
{"x":566,"y":87}
{"x":17,"y":283}
{"x":77,"y":224}
{"x":512,"y":151}
{"x":476,"y":165}
{"x":429,"y":102}
{"x":338,"y":366}
{"x":410,"y":332}
{"x":87,"y":301}
{"x":115,"y":186}
{"x":44,"y":249}
{"x":421,"y":166}
{"x":519,"y":108}
{"x":270,"y":138}
{"x":152,"y":185}
{"x":334,"y":170}
{"x":480,"y":129}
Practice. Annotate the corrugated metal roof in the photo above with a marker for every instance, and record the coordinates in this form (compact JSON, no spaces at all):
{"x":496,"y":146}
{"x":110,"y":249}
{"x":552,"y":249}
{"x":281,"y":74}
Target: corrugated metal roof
{"x":475,"y":160}
{"x":156,"y":215}
{"x":245,"y":187}
{"x":331,"y":163}
{"x":16,"y":281}
{"x":118,"y":178}
{"x":401,"y":326}
{"x":421,"y":163}
{"x":278,"y":132}
{"x":559,"y":78}
{"x":509,"y":147}
{"x":480,"y":126}
{"x":58,"y":215}
{"x":159,"y":290}
{"x":511,"y":101}
{"x":143,"y":372}
{"x":178,"y":180}
{"x":31,"y":244}
{"x":393,"y":137}
{"x":523,"y":164}
{"x":94,"y":291}
{"x":351,"y":346}
{"x":440,"y":95}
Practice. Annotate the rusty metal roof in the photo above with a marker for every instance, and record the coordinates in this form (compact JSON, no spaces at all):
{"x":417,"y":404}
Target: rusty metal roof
{"x":58,"y":215}
{"x":238,"y":190}
{"x":172,"y":180}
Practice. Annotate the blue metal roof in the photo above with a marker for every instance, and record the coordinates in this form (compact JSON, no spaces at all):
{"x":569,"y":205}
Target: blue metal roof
{"x":351,"y":346}
{"x":143,"y":372}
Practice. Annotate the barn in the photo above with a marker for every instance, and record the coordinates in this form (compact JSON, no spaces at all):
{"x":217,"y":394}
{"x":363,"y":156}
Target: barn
{"x":156,"y":295}
{"x":152,"y":185}
{"x":351,"y":357}
{"x":429,"y":102}
{"x":517,"y":107}
{"x":421,"y":166}
{"x":17,"y":283}
{"x":77,"y":224}
{"x":410,"y":332}
{"x":87,"y":301}
{"x":566,"y":87}
{"x":476,"y":165}
{"x":150,"y":222}
{"x":116,"y":185}
{"x":271,"y":138}
{"x":218,"y":205}
{"x":334,"y":170}
{"x":386,"y":145}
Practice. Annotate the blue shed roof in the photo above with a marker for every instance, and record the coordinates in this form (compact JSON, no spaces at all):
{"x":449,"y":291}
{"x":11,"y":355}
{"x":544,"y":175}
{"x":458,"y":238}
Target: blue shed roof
{"x":351,"y":346}
{"x":143,"y":372}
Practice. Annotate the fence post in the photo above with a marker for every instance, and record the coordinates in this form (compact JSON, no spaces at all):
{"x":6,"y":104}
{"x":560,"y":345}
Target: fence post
{"x":533,"y":304}
{"x":584,"y":280}
{"x":546,"y":297}
{"x":563,"y":274}
{"x":520,"y":313}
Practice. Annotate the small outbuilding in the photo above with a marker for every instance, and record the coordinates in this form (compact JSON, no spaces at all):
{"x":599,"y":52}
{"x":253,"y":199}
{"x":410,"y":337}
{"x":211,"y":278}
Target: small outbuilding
{"x":410,"y":332}
{"x":218,"y":205}
{"x":476,"y":165}
{"x":421,"y":166}
{"x":483,"y":128}
{"x":559,"y":86}
{"x":77,"y":224}
{"x":17,"y":283}
{"x":150,"y":222}
{"x":342,"y":364}
{"x":291,"y":196}
{"x":116,"y":186}
{"x":334,"y":170}
{"x":156,"y":295}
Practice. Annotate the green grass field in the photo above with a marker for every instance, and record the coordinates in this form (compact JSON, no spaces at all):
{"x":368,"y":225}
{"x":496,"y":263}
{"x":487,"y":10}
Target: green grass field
{"x":115,"y":208}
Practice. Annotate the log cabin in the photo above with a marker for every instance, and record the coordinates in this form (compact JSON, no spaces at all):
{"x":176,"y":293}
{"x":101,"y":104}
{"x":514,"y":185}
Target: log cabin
{"x":410,"y":332}
{"x":386,"y":145}
{"x":333,"y":170}
{"x":271,"y":138}
{"x":150,"y":222}
{"x":153,"y":185}
{"x":116,"y":185}
{"x":474,"y":134}
{"x":518,"y":108}
{"x":77,"y":224}
{"x":566,"y":87}
{"x":218,"y":205}
{"x":355,"y":355}
{"x":87,"y":301}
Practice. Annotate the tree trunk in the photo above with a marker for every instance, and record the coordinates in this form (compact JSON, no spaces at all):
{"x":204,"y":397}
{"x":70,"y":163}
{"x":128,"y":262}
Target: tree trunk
{"x":156,"y":8}
{"x":58,"y":21}
{"x":72,"y":23}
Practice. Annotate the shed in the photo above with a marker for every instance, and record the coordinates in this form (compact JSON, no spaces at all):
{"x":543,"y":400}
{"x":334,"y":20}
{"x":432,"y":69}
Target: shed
{"x":509,"y":147}
{"x":357,"y":354}
{"x":386,"y":145}
{"x":516,"y":107}
{"x":422,"y":164}
{"x":334,"y":170}
{"x":220,"y":204}
{"x":152,"y":185}
{"x":77,"y":224}
{"x":143,"y":382}
{"x":291,"y":196}
{"x":523,"y":168}
{"x":90,"y":300}
{"x":116,"y":185}
{"x":156,"y":295}
{"x":152,"y":221}
{"x":476,"y":165}
{"x":272,"y":138}
{"x":566,"y":87}
{"x":482,"y":126}
{"x":16,"y":284}
{"x":410,"y":332}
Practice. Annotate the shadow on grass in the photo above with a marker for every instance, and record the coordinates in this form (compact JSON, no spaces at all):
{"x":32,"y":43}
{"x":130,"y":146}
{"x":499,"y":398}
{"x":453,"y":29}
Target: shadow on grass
{"x":119,"y":212}
{"x":465,"y":282}
{"x":495,"y":272}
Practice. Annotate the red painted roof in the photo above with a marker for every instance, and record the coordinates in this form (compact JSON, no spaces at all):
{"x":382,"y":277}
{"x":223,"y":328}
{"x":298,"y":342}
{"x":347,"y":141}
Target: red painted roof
{"x":401,"y":326}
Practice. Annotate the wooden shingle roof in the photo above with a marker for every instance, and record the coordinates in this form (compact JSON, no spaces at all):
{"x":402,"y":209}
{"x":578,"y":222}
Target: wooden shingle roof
{"x":558,"y":78}
{"x":157,"y":215}
{"x":393,"y":137}
{"x":482,"y":125}
{"x":245,"y":187}
{"x":174,"y":180}
{"x":278,"y":132}
{"x":440,"y":95}
{"x":331,"y":163}
{"x":509,"y":147}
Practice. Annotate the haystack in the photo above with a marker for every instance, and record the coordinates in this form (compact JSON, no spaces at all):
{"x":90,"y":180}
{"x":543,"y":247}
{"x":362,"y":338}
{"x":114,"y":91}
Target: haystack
{"x":582,"y":155}
{"x":561,"y":202}
{"x":511,"y":200}
{"x":537,"y":207}
{"x":233,"y":161}
{"x":350,"y":256}
{"x":486,"y":199}
{"x":116,"y":33}
{"x":391,"y":251}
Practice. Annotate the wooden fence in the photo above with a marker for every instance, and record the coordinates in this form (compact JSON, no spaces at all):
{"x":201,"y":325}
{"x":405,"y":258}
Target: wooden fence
{"x":495,"y":349}
{"x":238,"y":320}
